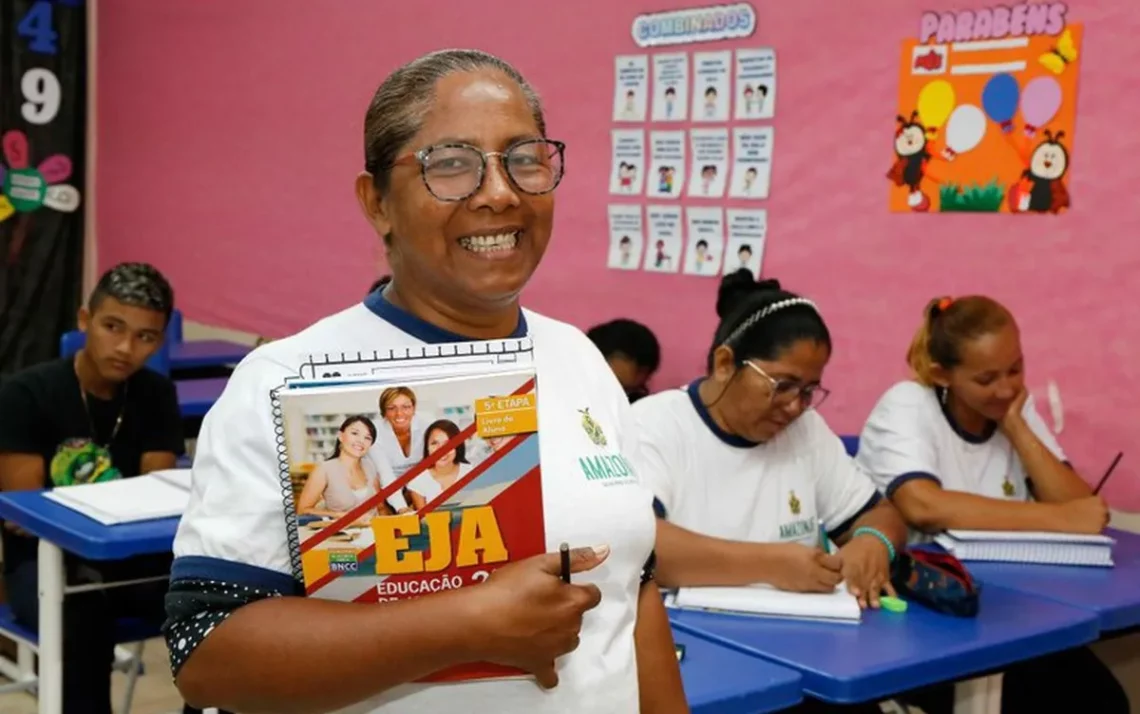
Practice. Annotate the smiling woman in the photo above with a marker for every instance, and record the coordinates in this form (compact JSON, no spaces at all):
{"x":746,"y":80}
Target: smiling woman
{"x":459,"y":182}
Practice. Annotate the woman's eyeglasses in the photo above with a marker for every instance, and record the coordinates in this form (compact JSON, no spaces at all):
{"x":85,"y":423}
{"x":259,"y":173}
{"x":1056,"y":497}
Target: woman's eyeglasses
{"x":455,"y":172}
{"x":786,"y":391}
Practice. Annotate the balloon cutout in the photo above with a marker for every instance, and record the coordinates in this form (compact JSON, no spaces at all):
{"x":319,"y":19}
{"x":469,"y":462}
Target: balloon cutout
{"x":935,"y":102}
{"x":1039,"y":103}
{"x":964,"y":130}
{"x":999,"y":99}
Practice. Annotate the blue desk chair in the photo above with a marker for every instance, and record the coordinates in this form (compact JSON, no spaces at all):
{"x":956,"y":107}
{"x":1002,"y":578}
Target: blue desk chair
{"x":22,"y":671}
{"x":72,"y":342}
{"x":851,"y":443}
{"x":174,"y":329}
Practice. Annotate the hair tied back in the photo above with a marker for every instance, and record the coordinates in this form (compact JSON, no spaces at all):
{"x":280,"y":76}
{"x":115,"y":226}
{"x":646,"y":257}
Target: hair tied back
{"x":940,"y":306}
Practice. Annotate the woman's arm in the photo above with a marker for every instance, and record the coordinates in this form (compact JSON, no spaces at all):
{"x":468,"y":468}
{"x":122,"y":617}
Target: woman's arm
{"x":325,"y":655}
{"x":312,"y":493}
{"x":685,"y":559}
{"x":884,"y":518}
{"x":931,"y":509}
{"x":1053,"y":480}
{"x":417,"y":501}
{"x":658,"y":673}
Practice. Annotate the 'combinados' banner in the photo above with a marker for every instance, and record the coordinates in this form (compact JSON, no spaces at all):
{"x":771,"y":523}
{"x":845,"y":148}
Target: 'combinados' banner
{"x":701,"y":24}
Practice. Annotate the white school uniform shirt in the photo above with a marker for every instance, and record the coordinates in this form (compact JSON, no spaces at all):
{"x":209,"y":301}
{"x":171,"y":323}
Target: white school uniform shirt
{"x":724,"y":486}
{"x":234,"y":529}
{"x":910,"y":435}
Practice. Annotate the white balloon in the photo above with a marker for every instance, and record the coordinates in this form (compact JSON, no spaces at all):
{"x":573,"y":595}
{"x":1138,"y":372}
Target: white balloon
{"x":965,"y":128}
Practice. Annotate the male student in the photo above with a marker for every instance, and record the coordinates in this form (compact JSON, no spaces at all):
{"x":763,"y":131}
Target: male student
{"x":96,"y":416}
{"x":632,"y":351}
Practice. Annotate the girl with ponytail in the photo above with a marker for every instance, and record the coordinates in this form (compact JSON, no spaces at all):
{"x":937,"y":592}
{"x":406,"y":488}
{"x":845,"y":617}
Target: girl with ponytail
{"x":962,"y":446}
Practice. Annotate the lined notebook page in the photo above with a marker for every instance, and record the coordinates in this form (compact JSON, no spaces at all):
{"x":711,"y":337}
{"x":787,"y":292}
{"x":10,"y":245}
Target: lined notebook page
{"x":765,"y":600}
{"x":1029,"y":547}
{"x":162,"y":494}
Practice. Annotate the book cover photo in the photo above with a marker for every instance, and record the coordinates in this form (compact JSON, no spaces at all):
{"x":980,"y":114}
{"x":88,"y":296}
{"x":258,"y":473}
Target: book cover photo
{"x":406,"y":489}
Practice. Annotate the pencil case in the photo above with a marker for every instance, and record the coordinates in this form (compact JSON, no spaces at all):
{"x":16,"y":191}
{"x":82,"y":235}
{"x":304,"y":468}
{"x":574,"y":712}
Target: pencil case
{"x":938,"y":581}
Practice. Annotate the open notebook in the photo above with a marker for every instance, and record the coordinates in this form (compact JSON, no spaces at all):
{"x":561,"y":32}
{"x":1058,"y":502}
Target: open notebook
{"x":1028,"y":547}
{"x":160,"y":494}
{"x":838,"y":606}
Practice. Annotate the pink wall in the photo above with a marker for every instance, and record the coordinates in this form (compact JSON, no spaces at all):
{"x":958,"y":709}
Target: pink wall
{"x":229,"y":135}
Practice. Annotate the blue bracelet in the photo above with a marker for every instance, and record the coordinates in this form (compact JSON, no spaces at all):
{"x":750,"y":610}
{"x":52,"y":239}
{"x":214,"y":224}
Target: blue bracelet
{"x":867,"y":530}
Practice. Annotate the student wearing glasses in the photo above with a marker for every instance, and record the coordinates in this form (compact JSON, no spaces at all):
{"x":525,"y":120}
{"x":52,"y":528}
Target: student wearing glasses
{"x":747,"y":472}
{"x":459,"y":182}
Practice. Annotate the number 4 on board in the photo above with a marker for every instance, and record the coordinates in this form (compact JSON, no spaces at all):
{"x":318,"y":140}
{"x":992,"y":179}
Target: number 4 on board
{"x":36,"y":26}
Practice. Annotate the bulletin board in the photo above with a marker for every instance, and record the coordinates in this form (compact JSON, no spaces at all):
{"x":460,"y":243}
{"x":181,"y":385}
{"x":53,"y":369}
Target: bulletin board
{"x":987,"y":111}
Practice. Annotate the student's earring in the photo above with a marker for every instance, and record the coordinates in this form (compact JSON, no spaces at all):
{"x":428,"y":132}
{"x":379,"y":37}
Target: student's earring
{"x":945,"y":391}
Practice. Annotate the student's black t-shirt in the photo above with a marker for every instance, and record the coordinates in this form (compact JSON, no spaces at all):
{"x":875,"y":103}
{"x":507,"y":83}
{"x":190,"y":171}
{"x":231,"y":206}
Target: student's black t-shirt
{"x":42,"y":412}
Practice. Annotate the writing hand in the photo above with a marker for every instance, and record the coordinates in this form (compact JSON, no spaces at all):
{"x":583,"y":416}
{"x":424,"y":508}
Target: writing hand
{"x":529,"y":617}
{"x":801,"y":568}
{"x":866,"y":570}
{"x":1083,"y":515}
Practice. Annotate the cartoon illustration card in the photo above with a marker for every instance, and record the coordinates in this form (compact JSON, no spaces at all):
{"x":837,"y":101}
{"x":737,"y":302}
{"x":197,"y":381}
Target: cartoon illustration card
{"x":711,"y":85}
{"x":663,"y":247}
{"x":631,"y":84}
{"x":626,"y":237}
{"x":710,"y":163}
{"x":628,"y":161}
{"x":667,"y":164}
{"x":706,"y":241}
{"x":751,"y":162}
{"x":747,"y":232}
{"x":671,"y":86}
{"x":986,"y":112}
{"x":755,"y":94}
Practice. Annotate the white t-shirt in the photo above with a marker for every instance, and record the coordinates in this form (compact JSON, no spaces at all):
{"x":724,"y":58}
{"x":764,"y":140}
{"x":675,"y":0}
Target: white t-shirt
{"x":720,"y":485}
{"x":428,"y":487}
{"x":910,"y":436}
{"x":234,"y":527}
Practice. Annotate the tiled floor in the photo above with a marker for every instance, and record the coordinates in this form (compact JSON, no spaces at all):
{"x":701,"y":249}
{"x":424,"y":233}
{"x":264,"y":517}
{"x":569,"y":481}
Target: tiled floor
{"x":154,"y":693}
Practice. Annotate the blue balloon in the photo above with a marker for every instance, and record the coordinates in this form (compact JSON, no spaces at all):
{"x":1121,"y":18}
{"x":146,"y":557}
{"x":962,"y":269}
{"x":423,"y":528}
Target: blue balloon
{"x":999,"y":97}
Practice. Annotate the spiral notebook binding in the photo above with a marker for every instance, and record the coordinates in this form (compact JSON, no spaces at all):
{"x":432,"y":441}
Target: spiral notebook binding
{"x":371,"y":364}
{"x":345,"y":365}
{"x":290,"y":508}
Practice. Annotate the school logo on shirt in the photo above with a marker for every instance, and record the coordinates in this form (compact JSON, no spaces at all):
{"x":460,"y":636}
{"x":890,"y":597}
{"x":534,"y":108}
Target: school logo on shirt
{"x":79,"y":461}
{"x":797,"y":528}
{"x":592,"y":427}
{"x":609,"y":469}
{"x":1008,"y":489}
{"x":793,"y":503}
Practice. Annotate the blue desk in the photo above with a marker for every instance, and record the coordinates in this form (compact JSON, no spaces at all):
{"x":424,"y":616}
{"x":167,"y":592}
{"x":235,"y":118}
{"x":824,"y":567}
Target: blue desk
{"x":196,"y":396}
{"x":59,"y":529}
{"x":206,"y":353}
{"x":76,"y":533}
{"x":889,"y":653}
{"x":719,"y":680}
{"x":1112,"y":594}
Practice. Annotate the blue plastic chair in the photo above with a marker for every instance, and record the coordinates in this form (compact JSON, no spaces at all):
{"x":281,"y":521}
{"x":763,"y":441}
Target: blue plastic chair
{"x":851,"y":443}
{"x":72,"y":342}
{"x":174,"y":329}
{"x":22,"y":671}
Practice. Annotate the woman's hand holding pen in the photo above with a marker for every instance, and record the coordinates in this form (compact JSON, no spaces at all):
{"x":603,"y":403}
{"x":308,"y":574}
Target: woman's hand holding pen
{"x":527,"y":616}
{"x":803,"y":569}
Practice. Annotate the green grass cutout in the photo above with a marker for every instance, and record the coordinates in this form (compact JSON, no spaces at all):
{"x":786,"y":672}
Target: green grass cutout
{"x":972,"y":198}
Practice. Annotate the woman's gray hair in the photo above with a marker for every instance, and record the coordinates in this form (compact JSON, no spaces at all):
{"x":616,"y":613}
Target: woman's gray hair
{"x":399,"y":105}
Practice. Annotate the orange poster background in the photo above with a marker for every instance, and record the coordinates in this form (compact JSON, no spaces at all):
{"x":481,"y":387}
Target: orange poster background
{"x":999,"y":154}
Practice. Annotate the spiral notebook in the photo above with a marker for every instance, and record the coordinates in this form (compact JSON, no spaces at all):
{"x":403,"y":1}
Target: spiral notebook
{"x":1029,"y":547}
{"x":837,"y":606}
{"x":468,"y":503}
